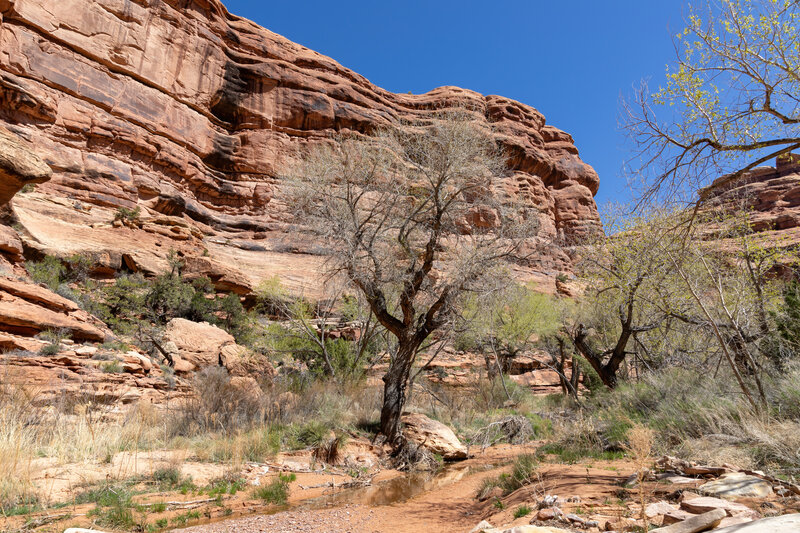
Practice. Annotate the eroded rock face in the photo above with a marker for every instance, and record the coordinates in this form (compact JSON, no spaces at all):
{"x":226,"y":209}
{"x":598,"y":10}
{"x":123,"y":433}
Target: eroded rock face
{"x":75,"y":376}
{"x":19,"y":166}
{"x":192,"y":113}
{"x":29,"y":309}
{"x":770,"y":195}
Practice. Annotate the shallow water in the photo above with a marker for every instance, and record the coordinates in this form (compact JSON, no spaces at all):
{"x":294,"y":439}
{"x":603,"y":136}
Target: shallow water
{"x":394,"y":490}
{"x":391,"y":491}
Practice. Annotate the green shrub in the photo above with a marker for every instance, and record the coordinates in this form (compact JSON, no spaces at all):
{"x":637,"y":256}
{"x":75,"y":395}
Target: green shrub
{"x":522,"y":473}
{"x":128,"y":215}
{"x":309,"y":434}
{"x":182,"y":519}
{"x":112,"y":367}
{"x":49,"y":271}
{"x":170,"y":296}
{"x":522,"y":510}
{"x":220,"y":487}
{"x":50,"y":349}
{"x":114,"y":506}
{"x":168,"y":477}
{"x":277,"y":491}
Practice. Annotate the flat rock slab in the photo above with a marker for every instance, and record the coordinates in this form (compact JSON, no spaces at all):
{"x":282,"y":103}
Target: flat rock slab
{"x":737,"y":485}
{"x":695,"y":524}
{"x":658,"y":508}
{"x":789,"y":523}
{"x":706,"y":504}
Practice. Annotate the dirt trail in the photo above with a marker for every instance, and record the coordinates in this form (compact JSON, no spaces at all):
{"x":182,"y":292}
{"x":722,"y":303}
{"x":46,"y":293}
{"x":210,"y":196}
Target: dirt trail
{"x":449,"y":506}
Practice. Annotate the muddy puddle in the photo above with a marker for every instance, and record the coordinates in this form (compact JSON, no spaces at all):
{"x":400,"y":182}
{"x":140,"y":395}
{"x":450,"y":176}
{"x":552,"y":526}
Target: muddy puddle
{"x":394,"y":490}
{"x":391,"y":491}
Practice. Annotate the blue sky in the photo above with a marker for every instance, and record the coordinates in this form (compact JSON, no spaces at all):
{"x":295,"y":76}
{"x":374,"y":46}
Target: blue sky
{"x":570,"y":59}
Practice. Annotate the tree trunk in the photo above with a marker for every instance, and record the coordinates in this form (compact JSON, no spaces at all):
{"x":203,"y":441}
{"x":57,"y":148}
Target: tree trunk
{"x":608,"y":371}
{"x":575,"y":377}
{"x":394,"y":392}
{"x":562,"y":360}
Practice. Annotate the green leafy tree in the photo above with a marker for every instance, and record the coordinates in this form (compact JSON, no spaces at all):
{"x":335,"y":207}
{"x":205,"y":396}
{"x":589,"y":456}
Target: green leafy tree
{"x":788,"y":318}
{"x":731,"y":100}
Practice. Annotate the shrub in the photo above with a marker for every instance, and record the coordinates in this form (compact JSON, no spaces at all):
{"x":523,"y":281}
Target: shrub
{"x":49,"y":271}
{"x":522,"y":510}
{"x":50,"y":349}
{"x":309,"y":434}
{"x":168,"y":477}
{"x":522,"y":472}
{"x":78,"y":267}
{"x":125,"y":214}
{"x":114,"y":506}
{"x":277,"y":491}
{"x":112,"y":367}
{"x":182,"y":519}
{"x":222,"y":406}
{"x":222,"y":486}
{"x":170,"y":296}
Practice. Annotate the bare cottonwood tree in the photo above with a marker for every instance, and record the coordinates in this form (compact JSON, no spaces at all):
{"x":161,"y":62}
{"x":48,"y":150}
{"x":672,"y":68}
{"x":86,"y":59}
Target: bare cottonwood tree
{"x":731,"y":100}
{"x":414,"y":219}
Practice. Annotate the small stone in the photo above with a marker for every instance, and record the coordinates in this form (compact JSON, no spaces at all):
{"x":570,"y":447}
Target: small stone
{"x":546,"y":514}
{"x":675,"y":516}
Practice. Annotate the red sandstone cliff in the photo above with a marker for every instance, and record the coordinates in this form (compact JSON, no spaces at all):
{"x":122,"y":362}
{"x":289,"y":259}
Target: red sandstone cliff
{"x":193,"y":114}
{"x":771,"y":197}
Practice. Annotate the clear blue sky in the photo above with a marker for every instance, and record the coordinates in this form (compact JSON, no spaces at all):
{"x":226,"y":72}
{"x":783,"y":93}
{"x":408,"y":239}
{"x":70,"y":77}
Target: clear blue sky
{"x":570,"y":59}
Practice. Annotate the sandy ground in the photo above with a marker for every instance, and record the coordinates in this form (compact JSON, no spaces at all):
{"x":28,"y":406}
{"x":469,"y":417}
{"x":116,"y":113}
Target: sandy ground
{"x":449,"y":505}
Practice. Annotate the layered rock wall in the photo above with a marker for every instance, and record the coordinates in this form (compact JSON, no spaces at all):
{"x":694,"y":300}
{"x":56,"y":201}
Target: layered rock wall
{"x":189,"y":112}
{"x":770,"y":196}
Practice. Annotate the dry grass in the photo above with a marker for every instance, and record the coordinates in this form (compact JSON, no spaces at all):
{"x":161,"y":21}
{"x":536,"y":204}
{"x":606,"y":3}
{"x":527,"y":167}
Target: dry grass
{"x":640,"y":448}
{"x":17,"y":451}
{"x":694,"y":417}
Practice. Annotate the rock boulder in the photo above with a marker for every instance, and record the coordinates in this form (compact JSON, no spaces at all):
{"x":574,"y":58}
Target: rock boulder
{"x":433,"y":436}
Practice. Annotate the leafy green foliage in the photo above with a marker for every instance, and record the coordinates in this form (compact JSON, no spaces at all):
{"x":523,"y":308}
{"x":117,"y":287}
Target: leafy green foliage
{"x":277,"y":491}
{"x":522,"y":473}
{"x":49,"y":349}
{"x":111,"y":367}
{"x":128,"y":215}
{"x":509,"y":321}
{"x":49,"y":271}
{"x":788,"y":316}
{"x":522,"y":510}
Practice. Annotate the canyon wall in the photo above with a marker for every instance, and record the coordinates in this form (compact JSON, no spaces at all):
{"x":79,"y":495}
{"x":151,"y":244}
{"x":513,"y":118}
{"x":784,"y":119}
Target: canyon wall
{"x":770,"y":197}
{"x":192,"y":115}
